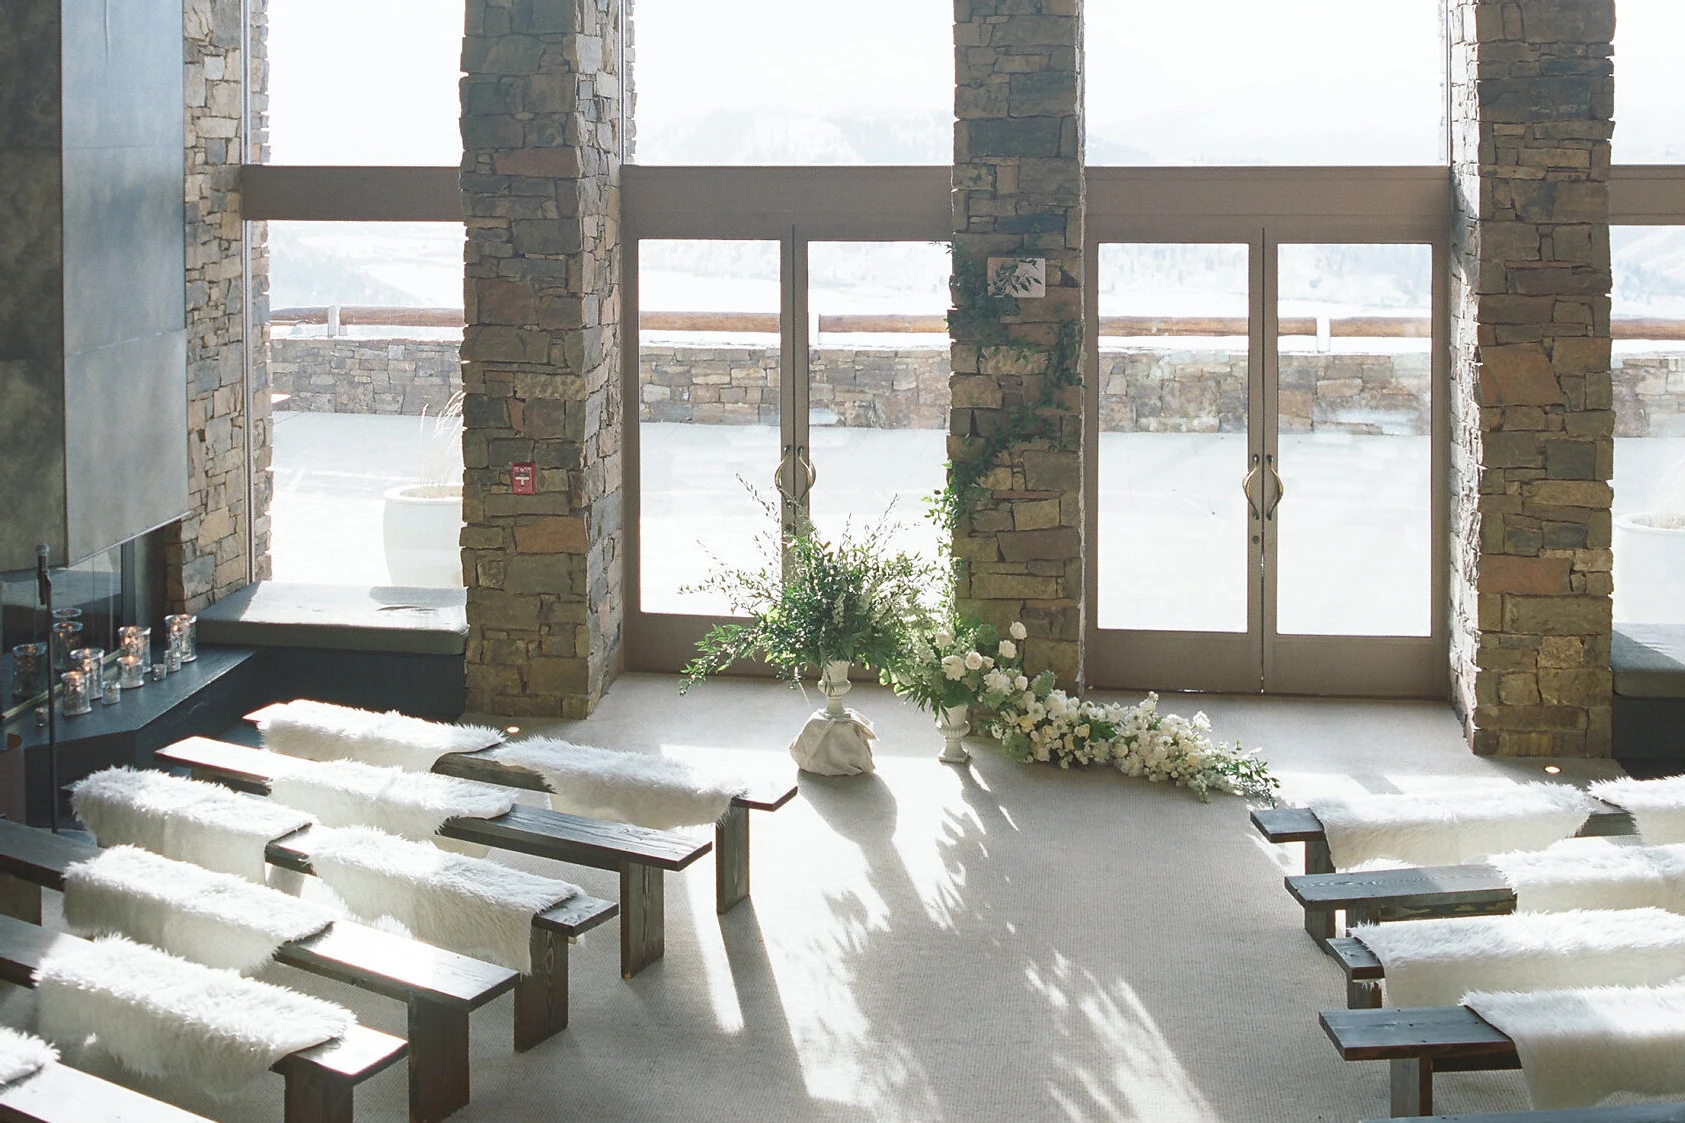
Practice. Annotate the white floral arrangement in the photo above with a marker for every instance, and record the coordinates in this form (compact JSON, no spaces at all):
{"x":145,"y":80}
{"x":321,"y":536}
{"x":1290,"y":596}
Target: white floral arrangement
{"x":963,"y":663}
{"x":1043,"y":723}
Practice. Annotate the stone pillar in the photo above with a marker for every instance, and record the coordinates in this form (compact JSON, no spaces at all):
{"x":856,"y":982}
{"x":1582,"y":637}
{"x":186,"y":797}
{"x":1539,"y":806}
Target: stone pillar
{"x":1018,"y":193}
{"x":206,"y":554}
{"x":540,"y":186}
{"x":1532,"y":423}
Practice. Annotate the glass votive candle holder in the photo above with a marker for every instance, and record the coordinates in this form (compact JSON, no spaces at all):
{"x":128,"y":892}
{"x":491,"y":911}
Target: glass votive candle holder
{"x":131,"y":671}
{"x":159,"y":670}
{"x":67,"y":637}
{"x":136,"y":640}
{"x":91,"y":662}
{"x":67,"y":614}
{"x":184,"y":634}
{"x":113,"y":692}
{"x":29,"y":669}
{"x":78,"y":693}
{"x":172,"y":659}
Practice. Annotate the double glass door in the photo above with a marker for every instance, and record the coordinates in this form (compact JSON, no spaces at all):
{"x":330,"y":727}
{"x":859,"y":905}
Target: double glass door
{"x":1264,"y":513}
{"x":778,"y":379}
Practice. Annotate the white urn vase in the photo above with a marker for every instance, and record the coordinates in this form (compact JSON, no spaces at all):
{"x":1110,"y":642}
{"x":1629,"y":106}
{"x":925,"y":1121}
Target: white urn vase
{"x":1649,"y":570}
{"x":835,"y":741}
{"x":953,"y":722}
{"x":422,"y":530}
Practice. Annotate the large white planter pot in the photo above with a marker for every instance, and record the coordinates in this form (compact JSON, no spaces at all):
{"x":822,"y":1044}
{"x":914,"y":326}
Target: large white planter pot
{"x":422,"y":527}
{"x":1649,"y":571}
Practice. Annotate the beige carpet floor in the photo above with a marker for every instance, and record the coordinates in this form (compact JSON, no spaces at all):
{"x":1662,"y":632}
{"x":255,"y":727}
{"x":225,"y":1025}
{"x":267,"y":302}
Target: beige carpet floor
{"x":932,"y":943}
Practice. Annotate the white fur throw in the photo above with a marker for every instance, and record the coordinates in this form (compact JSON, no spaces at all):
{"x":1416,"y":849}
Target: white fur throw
{"x":1451,"y":827}
{"x":22,"y":1055}
{"x":469,"y":905}
{"x":188,"y":820}
{"x":1581,"y":1046}
{"x":212,"y":918}
{"x":1434,"y":962}
{"x":1657,"y":806}
{"x":344,"y":793}
{"x":1595,"y":873}
{"x":629,"y":787}
{"x":165,"y":1017}
{"x":324,"y":731}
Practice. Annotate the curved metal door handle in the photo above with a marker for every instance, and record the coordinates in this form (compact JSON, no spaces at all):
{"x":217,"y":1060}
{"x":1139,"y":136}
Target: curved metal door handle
{"x":1280,"y":488}
{"x":807,"y":468}
{"x":1246,"y":487}
{"x":778,"y":472}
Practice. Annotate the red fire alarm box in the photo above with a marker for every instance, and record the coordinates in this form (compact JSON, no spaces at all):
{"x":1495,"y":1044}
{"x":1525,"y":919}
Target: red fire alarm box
{"x":523,"y":478}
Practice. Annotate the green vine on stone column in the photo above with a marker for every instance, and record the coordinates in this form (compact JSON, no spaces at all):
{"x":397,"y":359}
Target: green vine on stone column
{"x":978,"y":317}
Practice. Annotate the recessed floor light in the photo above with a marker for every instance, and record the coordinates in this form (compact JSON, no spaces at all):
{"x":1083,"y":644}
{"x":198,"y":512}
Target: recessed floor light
{"x":1551,"y":770}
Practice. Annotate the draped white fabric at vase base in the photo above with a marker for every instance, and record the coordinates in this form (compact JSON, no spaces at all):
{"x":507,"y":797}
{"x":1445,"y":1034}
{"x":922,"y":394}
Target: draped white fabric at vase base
{"x":189,"y":820}
{"x":1449,"y":828}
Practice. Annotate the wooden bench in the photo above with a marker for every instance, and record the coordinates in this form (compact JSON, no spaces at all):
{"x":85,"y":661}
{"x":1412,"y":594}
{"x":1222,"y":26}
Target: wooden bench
{"x":1418,"y":1043}
{"x":320,"y":1080}
{"x":639,"y":855}
{"x":57,"y":1093}
{"x":1630,"y":1113}
{"x":439,"y":988}
{"x":1375,"y":896}
{"x":1300,"y":824}
{"x":731,"y":833}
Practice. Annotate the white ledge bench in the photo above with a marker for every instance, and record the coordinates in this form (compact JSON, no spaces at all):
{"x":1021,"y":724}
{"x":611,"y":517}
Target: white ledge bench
{"x":640,"y":856}
{"x":438,"y":988}
{"x":320,"y":1080}
{"x":1300,"y":824}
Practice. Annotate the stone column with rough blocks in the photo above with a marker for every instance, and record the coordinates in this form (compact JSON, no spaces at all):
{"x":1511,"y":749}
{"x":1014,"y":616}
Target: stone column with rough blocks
{"x":206,"y":554}
{"x":540,"y":188}
{"x":1532,"y":418}
{"x":1018,"y":193}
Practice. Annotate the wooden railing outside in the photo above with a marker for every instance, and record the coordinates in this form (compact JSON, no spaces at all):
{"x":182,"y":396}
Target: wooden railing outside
{"x":767,"y":323}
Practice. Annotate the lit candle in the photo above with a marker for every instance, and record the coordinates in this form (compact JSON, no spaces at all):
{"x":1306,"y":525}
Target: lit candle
{"x":78,"y":698}
{"x":131,"y":671}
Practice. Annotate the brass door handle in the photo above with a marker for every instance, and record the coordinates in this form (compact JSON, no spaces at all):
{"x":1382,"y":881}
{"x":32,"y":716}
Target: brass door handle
{"x":1246,"y":487}
{"x":1280,"y":488}
{"x":778,"y":472}
{"x":807,"y":468}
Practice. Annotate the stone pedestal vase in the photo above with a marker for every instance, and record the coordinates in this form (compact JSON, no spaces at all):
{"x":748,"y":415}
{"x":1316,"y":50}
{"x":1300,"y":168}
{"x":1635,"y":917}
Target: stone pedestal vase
{"x":422,"y":526}
{"x":953,"y":722}
{"x":1649,"y":571}
{"x":835,"y":741}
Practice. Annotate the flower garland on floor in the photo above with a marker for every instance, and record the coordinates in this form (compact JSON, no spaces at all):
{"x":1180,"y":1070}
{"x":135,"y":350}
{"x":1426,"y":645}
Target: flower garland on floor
{"x":968,"y":664}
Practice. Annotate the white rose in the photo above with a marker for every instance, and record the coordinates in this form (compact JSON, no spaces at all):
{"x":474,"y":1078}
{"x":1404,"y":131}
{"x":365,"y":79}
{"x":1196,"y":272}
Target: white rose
{"x":1017,"y":630}
{"x":1008,"y":649}
{"x":1020,"y":683}
{"x":943,"y":639}
{"x":973,"y":661}
{"x":953,"y":667}
{"x":1028,"y":698}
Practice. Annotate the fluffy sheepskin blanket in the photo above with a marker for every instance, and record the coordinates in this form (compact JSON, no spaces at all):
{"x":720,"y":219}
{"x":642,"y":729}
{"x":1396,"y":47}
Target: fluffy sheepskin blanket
{"x":1451,"y":827}
{"x":189,"y":820}
{"x":1581,"y":1046}
{"x":324,"y":731}
{"x":628,"y":787}
{"x":1657,"y":806}
{"x":469,"y":905}
{"x":1595,"y":873}
{"x":344,"y":793}
{"x":22,"y":1055}
{"x":164,"y":1017}
{"x":1434,"y":962}
{"x":212,"y":918}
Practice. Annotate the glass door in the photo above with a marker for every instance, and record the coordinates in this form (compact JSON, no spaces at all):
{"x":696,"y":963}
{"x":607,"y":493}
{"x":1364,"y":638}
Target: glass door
{"x":1265,"y":509}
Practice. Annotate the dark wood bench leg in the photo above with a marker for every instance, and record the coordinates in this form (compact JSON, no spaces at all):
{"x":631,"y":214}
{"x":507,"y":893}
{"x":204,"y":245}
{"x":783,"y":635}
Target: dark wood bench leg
{"x":438,"y":1060}
{"x":312,"y":1097}
{"x":1412,"y":1087}
{"x":731,"y":858}
{"x":1319,"y":922}
{"x":20,"y":898}
{"x":541,"y":998}
{"x":641,"y":921}
{"x":1363,"y":994}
